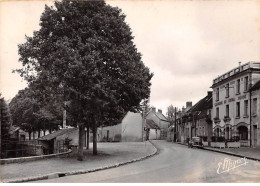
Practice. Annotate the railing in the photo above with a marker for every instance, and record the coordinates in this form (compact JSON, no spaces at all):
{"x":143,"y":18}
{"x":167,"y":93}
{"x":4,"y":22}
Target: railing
{"x":14,"y":149}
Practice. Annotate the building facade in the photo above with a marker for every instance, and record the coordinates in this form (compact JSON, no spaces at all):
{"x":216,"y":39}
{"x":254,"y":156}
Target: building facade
{"x":160,"y":120}
{"x":255,"y":110}
{"x":232,"y":102}
{"x":195,"y":120}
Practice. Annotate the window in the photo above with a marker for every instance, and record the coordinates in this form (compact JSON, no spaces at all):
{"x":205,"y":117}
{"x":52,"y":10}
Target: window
{"x":246,"y":108}
{"x":254,"y":110}
{"x":238,"y":86}
{"x":238,"y":109}
{"x":246,"y":84}
{"x":217,"y":94}
{"x":227,"y":90}
{"x":227,"y":110}
{"x":217,"y":112}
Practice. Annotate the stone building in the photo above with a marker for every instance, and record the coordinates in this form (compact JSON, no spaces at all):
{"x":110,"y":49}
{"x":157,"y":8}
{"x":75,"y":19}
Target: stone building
{"x":231,"y":103}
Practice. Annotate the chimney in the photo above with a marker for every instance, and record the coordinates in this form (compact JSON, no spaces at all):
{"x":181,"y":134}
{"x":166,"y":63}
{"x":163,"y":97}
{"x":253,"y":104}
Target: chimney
{"x":183,"y":109}
{"x":210,"y":93}
{"x":160,"y":111}
{"x":188,"y":104}
{"x":153,"y":109}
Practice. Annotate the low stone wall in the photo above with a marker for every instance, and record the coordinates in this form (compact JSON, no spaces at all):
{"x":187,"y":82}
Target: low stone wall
{"x":31,"y":158}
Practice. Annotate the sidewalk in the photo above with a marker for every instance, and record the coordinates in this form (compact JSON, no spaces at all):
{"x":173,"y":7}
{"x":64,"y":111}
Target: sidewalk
{"x":250,"y":153}
{"x":109,"y":155}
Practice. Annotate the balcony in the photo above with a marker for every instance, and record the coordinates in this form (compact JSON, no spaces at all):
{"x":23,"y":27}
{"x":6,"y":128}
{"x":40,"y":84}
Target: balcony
{"x":226,"y":119}
{"x":216,"y":120}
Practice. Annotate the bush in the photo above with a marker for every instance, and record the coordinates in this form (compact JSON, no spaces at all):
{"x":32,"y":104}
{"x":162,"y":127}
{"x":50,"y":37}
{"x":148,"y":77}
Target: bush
{"x":235,"y":138}
{"x":214,"y":138}
{"x":220,"y":139}
{"x":217,"y":139}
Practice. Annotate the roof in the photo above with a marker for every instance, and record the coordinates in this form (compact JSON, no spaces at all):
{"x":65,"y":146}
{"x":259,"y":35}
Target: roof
{"x":13,"y":129}
{"x":151,"y":124}
{"x":161,"y":116}
{"x":256,"y":86}
{"x":201,"y":107}
{"x":57,"y":133}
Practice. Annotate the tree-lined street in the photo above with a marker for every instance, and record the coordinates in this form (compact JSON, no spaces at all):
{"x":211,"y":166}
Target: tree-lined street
{"x":174,"y":163}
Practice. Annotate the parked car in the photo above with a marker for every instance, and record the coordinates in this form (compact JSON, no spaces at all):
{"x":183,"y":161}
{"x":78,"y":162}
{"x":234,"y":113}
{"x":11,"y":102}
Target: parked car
{"x":195,"y":142}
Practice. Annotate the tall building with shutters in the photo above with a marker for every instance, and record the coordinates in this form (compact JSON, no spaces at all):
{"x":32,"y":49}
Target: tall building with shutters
{"x":233,"y":104}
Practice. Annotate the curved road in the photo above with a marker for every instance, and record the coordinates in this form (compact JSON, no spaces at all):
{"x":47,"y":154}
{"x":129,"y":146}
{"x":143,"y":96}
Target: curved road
{"x":173,"y":163}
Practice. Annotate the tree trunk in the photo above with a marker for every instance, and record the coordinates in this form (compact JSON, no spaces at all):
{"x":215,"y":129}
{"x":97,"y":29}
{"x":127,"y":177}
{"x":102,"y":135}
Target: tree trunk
{"x":39,"y":133}
{"x":87,"y":137}
{"x":33,"y":135}
{"x":94,"y":129}
{"x":30,"y":135}
{"x":44,"y":132}
{"x":81,"y":142}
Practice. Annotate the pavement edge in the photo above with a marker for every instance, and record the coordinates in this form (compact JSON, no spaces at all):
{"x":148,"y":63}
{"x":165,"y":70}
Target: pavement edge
{"x":70,"y":173}
{"x":228,"y":153}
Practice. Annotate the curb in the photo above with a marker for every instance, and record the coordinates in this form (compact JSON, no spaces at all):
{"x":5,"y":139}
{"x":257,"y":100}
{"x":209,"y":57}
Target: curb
{"x":62,"y":174}
{"x":228,"y":153}
{"x":232,"y":154}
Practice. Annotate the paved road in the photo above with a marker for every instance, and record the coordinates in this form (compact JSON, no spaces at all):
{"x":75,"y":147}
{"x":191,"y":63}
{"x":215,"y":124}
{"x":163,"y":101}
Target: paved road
{"x":174,"y":163}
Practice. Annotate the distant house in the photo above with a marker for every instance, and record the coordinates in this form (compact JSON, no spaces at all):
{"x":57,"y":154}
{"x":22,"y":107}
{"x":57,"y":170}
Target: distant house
{"x":130,"y":129}
{"x":153,"y":131}
{"x":17,"y":133}
{"x":160,"y":120}
{"x":55,"y":142}
{"x":196,"y":121}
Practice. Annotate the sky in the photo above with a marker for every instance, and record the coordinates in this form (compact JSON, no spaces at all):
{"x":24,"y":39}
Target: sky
{"x":186,"y":44}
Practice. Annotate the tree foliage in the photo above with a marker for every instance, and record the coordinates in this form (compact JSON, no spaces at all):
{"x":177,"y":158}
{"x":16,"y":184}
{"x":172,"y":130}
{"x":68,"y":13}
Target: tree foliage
{"x":31,"y":114}
{"x":84,"y":51}
{"x":5,"y":119}
{"x":171,"y":113}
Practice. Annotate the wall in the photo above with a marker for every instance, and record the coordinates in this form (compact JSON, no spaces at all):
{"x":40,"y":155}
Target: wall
{"x":114,"y":133}
{"x":132,"y":127}
{"x":154,"y":134}
{"x":256,"y":120}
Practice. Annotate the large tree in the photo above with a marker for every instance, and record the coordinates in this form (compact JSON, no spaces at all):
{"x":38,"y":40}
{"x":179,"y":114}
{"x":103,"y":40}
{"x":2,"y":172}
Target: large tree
{"x":5,"y":119}
{"x":84,"y":50}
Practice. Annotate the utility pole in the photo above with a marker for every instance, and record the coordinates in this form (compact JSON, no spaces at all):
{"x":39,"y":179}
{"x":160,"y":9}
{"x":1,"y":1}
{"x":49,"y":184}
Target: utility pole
{"x":175,"y":124}
{"x":143,"y":124}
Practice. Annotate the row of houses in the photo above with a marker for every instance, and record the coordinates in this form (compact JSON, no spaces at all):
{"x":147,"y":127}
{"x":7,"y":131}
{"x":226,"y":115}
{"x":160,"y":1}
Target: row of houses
{"x":231,"y":110}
